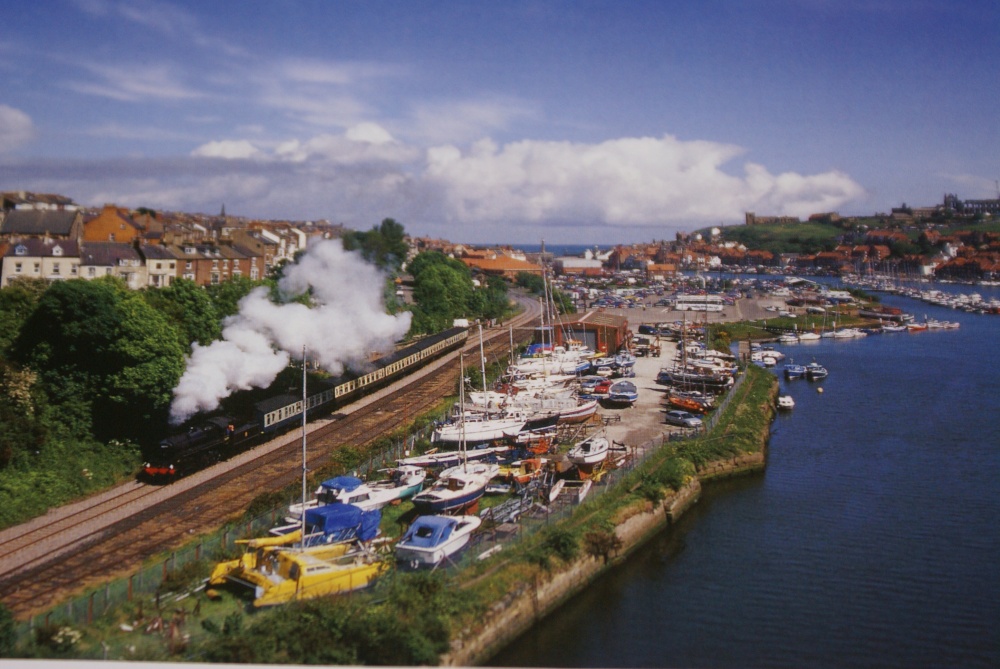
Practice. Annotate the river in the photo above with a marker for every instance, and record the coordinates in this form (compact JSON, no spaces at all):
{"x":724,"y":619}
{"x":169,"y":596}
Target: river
{"x":872,"y":540}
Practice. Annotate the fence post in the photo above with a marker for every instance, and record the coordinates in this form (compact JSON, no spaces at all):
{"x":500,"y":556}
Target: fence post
{"x":130,"y":577}
{"x":90,"y":609}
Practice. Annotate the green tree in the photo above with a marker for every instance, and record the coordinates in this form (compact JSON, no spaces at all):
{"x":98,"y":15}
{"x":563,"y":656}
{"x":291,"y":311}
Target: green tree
{"x":490,"y":300}
{"x":190,"y":309}
{"x":383,"y":245}
{"x":531,"y":282}
{"x":17,"y":300}
{"x":98,"y":342}
{"x":443,"y":293}
{"x":429,"y":258}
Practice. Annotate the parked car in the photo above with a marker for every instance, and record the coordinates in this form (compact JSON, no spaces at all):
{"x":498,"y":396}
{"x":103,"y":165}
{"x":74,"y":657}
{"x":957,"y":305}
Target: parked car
{"x":683,"y":418}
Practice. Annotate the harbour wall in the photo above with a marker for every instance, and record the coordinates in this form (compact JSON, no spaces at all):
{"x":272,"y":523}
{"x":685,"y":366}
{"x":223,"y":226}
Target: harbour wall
{"x":531,"y":601}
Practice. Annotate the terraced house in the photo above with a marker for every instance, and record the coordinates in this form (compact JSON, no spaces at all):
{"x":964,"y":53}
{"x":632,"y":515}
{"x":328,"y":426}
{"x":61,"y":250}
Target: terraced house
{"x":48,"y":237}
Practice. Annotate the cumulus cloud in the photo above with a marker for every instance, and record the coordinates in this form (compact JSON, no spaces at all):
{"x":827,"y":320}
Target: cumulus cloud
{"x":622,"y":182}
{"x":16,"y":128}
{"x":229,"y":149}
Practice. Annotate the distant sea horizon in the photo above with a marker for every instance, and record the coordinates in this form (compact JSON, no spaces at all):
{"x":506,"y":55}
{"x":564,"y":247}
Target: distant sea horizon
{"x":557,"y":249}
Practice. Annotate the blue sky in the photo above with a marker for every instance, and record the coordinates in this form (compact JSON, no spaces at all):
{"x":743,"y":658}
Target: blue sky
{"x":577,"y":122}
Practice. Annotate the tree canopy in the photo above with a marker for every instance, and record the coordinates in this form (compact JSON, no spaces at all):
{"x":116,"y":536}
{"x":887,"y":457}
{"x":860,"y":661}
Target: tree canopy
{"x":17,"y":301}
{"x":384,"y":245}
{"x":442,"y":290}
{"x":99,"y":343}
{"x":191,"y":310}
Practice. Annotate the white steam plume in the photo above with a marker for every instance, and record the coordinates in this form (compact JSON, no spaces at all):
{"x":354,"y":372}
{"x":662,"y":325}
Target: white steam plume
{"x":347,"y":321}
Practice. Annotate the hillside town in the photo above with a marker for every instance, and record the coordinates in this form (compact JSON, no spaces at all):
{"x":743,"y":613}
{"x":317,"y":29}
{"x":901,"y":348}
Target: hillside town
{"x":51,"y":237}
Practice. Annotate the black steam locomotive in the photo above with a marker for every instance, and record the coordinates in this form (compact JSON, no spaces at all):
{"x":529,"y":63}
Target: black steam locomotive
{"x":216,"y":438}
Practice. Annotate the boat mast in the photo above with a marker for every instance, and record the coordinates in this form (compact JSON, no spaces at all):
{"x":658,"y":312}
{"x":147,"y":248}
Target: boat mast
{"x":461,"y":409}
{"x":304,"y":469}
{"x":511,"y":343}
{"x":482,"y":357}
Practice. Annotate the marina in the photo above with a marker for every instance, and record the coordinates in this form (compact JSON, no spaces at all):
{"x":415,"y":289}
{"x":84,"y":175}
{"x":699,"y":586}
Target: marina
{"x":868,"y":542}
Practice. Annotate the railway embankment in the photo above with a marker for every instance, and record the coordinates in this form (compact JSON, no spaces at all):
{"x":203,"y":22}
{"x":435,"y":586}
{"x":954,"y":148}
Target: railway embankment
{"x":636,"y":521}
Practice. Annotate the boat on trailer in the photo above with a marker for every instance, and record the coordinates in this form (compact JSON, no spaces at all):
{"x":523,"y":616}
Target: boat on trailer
{"x":430,"y":540}
{"x":404,"y":481}
{"x":623,"y":393}
{"x":333,"y":558}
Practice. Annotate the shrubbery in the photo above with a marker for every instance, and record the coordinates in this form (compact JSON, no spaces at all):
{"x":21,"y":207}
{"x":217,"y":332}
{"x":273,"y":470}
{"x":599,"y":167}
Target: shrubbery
{"x":409,"y":624}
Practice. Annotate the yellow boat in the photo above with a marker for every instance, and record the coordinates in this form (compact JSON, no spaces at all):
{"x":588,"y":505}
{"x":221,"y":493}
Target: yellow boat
{"x":280,"y":574}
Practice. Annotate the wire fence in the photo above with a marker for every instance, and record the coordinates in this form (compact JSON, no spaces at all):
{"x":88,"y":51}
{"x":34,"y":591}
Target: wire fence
{"x":152,"y":582}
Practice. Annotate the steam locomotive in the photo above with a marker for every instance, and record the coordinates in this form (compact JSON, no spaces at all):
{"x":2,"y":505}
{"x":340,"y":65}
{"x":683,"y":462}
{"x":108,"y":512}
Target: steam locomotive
{"x":215,"y":438}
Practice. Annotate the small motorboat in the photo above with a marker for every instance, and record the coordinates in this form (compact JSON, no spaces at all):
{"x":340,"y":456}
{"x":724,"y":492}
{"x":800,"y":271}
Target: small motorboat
{"x":523,"y":471}
{"x":816,"y":371}
{"x":590,"y":451}
{"x":686,"y":403}
{"x":624,"y":360}
{"x":431,"y":540}
{"x":793,"y":371}
{"x":404,"y":481}
{"x":786,"y":402}
{"x":623,"y":393}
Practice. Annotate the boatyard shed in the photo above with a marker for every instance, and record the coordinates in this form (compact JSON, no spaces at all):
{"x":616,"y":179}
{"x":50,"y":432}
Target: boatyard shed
{"x":598,"y":330}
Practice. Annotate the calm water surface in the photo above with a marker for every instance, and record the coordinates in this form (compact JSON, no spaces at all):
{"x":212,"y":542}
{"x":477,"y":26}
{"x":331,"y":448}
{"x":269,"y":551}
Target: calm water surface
{"x":871,"y":541}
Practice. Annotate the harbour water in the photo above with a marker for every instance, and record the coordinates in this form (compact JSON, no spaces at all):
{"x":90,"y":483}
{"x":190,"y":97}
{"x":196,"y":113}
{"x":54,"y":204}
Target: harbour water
{"x":872,"y":540}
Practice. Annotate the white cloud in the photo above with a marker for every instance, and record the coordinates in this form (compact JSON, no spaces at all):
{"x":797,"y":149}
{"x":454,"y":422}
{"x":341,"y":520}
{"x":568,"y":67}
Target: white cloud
{"x":165,"y":18}
{"x":372,"y":133}
{"x":133,"y":83}
{"x":228,"y":149}
{"x":623,"y":182}
{"x":16,"y":128}
{"x":362,"y":144}
{"x":337,"y":73}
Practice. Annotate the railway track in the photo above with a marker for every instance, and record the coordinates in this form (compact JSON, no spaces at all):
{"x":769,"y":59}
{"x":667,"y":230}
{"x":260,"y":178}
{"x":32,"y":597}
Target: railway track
{"x":70,"y":550}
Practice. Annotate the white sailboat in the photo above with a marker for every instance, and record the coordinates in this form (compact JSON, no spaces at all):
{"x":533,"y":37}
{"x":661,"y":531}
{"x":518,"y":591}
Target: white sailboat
{"x":461,"y":489}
